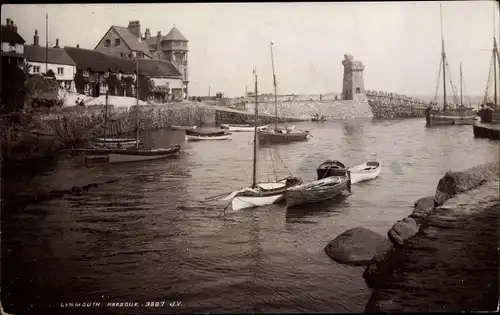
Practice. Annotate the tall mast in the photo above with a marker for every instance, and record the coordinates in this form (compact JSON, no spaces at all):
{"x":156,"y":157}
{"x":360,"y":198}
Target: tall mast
{"x":495,"y":55}
{"x":137,"y":103}
{"x":106,"y":118}
{"x":46,"y":42}
{"x":461,"y":94}
{"x":275,"y":96}
{"x":443,"y":55}
{"x":254,"y":172}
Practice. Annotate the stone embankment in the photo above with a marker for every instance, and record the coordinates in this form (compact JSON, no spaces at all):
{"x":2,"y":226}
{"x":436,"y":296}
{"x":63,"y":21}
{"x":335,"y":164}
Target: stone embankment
{"x":443,"y":256}
{"x":391,"y":105}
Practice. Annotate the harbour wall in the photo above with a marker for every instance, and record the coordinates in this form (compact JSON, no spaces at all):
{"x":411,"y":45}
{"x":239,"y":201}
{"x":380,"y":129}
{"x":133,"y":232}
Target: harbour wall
{"x":442,"y":256}
{"x":392,"y":105}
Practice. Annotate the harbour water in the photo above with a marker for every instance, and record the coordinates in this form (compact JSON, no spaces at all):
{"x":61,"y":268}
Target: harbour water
{"x":149,"y":237}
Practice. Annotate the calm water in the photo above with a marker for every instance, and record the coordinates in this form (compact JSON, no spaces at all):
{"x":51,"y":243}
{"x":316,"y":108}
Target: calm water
{"x":149,"y":236}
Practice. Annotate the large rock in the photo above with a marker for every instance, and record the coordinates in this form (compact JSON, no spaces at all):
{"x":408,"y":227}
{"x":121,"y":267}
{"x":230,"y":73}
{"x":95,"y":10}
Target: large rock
{"x":402,"y":231}
{"x":381,"y":267}
{"x":456,"y":182}
{"x":423,"y":207}
{"x":357,"y":246}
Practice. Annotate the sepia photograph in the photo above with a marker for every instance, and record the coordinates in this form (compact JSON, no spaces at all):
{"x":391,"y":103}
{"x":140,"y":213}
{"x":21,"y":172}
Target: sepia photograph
{"x":250,"y":157}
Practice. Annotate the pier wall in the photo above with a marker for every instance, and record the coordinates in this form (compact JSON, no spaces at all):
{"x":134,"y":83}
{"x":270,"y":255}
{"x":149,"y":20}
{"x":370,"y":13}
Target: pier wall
{"x":392,"y":105}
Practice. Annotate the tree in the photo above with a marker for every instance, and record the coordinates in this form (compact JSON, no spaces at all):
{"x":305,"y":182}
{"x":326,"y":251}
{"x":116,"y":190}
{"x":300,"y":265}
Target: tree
{"x":13,"y":89}
{"x":79,"y":82}
{"x":50,"y":74}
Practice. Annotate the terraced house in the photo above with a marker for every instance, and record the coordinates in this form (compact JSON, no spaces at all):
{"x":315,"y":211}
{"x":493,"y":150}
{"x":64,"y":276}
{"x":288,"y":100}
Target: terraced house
{"x":98,"y":73}
{"x":128,"y":42}
{"x":43,"y":59}
{"x":12,"y":44}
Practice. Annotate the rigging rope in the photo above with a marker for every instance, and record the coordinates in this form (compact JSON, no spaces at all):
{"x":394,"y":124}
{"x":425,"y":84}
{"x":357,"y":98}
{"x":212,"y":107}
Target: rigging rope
{"x":485,"y":100}
{"x":272,"y":160}
{"x":283,"y":162}
{"x":453,"y":88}
{"x":439,"y":79}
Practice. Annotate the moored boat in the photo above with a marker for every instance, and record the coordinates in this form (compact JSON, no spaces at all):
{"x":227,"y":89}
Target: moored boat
{"x":366,"y":171}
{"x":242,"y":127}
{"x":182,"y":128}
{"x":116,"y":143}
{"x":333,"y":179}
{"x":120,"y":156}
{"x":207,"y":134}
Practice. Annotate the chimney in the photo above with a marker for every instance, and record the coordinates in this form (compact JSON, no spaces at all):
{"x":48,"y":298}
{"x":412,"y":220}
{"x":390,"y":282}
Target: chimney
{"x":158,"y":41}
{"x":147,"y":34}
{"x":14,"y":27}
{"x":135,"y":28}
{"x":8,"y":22}
{"x":57,"y":43}
{"x":36,"y":39}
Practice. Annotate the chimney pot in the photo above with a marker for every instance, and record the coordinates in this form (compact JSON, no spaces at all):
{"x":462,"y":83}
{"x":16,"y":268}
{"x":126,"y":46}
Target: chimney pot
{"x":135,"y":28}
{"x":35,"y":39}
{"x":57,"y":43}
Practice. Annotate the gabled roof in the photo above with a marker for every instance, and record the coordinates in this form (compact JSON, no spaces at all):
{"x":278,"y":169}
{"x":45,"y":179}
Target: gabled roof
{"x":55,"y":56}
{"x":158,"y":68}
{"x":175,"y":34}
{"x":132,"y":41}
{"x":7,"y":34}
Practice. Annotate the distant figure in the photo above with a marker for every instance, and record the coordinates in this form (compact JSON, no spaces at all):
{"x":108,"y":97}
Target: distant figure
{"x":199,"y":99}
{"x":321,"y":97}
{"x":77,"y":102}
{"x":81,"y":103}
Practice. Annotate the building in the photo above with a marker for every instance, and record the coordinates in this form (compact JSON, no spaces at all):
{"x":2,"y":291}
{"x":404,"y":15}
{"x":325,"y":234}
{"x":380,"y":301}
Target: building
{"x":98,"y":73}
{"x":43,"y":59}
{"x":353,"y":83}
{"x":128,"y":42}
{"x":12,"y":44}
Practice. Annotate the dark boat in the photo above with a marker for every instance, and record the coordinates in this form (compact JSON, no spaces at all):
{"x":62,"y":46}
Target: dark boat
{"x":207,"y":134}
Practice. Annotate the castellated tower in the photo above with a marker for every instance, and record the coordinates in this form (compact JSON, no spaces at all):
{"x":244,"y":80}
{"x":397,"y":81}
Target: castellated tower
{"x":353,"y":83}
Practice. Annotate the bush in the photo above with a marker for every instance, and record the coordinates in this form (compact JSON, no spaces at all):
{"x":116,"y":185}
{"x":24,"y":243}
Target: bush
{"x":13,"y":89}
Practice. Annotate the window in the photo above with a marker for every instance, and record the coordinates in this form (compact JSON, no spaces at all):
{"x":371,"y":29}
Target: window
{"x":358,"y":90}
{"x":138,"y":54}
{"x":185,"y":74}
{"x":60,"y":70}
{"x":86,"y":89}
{"x":122,"y":55}
{"x":12,"y":46}
{"x":117,"y":42}
{"x":67,"y":85}
{"x":85,"y":73}
{"x":36,"y":69}
{"x":130,"y":56}
{"x":107,"y":42}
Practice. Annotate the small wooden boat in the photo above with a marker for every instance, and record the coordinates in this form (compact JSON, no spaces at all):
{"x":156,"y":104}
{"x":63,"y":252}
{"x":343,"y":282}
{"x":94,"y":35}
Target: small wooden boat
{"x":183,"y":128}
{"x":242,"y":127}
{"x":318,"y":117}
{"x":116,"y":143}
{"x":365,"y":171}
{"x":262,"y":194}
{"x":282,"y":135}
{"x":121,"y":156}
{"x":333,"y":178}
{"x":207,"y":134}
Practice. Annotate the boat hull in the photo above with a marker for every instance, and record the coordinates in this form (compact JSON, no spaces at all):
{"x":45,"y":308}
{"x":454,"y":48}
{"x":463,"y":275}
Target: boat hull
{"x":449,"y":118}
{"x":310,"y":193}
{"x":123,"y":156}
{"x":243,"y":202}
{"x":364,"y":172}
{"x":273,"y":137}
{"x":206,"y":138}
{"x":113,"y":143}
{"x":242,"y":128}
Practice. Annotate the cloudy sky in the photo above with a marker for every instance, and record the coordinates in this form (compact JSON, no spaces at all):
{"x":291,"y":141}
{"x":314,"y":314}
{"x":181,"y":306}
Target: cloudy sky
{"x":399,"y":42}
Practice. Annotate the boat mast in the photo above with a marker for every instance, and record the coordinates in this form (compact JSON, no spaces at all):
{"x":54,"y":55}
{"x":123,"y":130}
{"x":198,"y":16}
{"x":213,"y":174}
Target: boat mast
{"x":443,"y":55}
{"x":137,"y":103}
{"x":105,"y":118}
{"x":254,"y":172}
{"x":275,"y":96}
{"x":461,"y":94}
{"x":46,"y":42}
{"x":495,"y":55}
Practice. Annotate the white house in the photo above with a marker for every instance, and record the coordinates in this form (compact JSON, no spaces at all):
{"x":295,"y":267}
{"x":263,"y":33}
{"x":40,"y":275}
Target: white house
{"x":56,"y":59}
{"x":12,"y":44}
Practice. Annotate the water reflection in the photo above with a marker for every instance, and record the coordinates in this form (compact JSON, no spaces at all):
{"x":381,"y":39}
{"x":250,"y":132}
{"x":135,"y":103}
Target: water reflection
{"x":296,"y":214}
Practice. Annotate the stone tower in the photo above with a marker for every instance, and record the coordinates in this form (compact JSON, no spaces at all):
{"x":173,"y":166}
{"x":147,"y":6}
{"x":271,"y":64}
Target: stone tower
{"x":175,"y":50}
{"x":353,"y":83}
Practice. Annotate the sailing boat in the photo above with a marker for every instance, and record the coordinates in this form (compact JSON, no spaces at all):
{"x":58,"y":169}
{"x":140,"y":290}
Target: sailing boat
{"x":492,"y":111}
{"x":276,"y":134}
{"x":447,"y":115}
{"x":258,"y":194}
{"x":111,"y":143}
{"x":139,"y":154}
{"x":463,"y":120}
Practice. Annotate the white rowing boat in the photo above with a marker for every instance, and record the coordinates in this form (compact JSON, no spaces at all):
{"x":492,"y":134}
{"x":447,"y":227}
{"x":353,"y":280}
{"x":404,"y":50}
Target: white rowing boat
{"x":206,"y":137}
{"x":243,"y":127}
{"x":366,"y":171}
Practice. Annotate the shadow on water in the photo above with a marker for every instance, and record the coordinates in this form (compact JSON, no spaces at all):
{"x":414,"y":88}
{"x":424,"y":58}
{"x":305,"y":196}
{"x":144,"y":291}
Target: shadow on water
{"x":295,"y":214}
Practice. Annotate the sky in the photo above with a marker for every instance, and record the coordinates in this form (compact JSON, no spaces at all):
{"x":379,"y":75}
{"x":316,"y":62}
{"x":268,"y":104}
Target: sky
{"x":398,"y":42}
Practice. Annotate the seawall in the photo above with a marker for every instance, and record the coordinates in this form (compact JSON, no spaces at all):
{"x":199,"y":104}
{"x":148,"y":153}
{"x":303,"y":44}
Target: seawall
{"x":392,"y":105}
{"x":445,"y":254}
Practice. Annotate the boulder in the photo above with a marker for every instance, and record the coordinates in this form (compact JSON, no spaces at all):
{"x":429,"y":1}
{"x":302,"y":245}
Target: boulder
{"x":381,"y":267}
{"x":456,"y":182}
{"x":357,"y":246}
{"x":423,"y":207}
{"x":403,"y":230}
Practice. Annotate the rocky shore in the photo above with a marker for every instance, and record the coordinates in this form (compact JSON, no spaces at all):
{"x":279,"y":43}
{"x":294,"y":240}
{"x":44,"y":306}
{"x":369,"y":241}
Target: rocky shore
{"x":442,"y":257}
